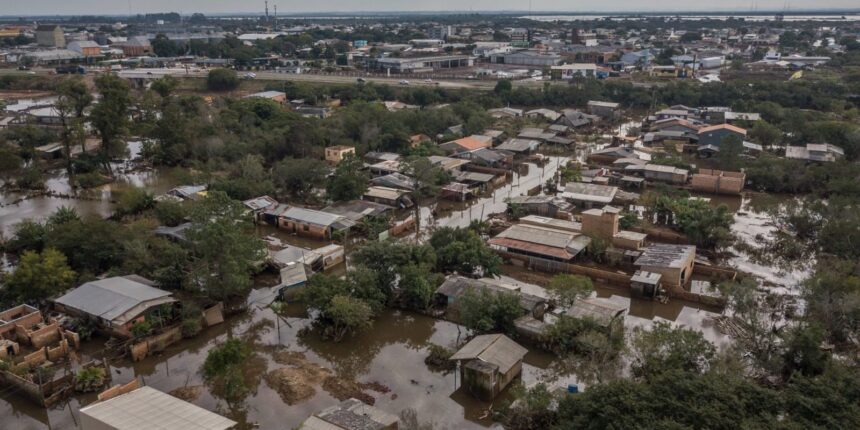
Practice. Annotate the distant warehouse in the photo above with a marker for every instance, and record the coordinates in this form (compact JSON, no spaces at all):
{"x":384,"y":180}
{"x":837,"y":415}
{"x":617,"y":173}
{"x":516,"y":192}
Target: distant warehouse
{"x":422,"y":64}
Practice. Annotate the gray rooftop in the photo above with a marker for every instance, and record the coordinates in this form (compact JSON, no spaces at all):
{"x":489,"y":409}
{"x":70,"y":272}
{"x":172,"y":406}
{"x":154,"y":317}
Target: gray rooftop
{"x":113,"y":298}
{"x":496,"y":349}
{"x":663,"y":255}
{"x":147,"y":408}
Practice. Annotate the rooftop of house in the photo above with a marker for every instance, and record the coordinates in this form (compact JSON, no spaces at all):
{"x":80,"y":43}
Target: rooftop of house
{"x":728,"y":127}
{"x":668,"y":256}
{"x":351,"y":414}
{"x":496,"y":349}
{"x":589,"y":192}
{"x":599,"y":310}
{"x":147,"y":408}
{"x":114,"y":298}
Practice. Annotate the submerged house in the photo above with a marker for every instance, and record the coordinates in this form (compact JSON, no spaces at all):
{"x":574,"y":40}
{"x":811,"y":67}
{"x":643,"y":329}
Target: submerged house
{"x":455,"y":286}
{"x":313,"y":223}
{"x":531,"y":243}
{"x":674,"y":263}
{"x":589,"y":195}
{"x":117,"y":303}
{"x":351,"y":414}
{"x":488,"y":364}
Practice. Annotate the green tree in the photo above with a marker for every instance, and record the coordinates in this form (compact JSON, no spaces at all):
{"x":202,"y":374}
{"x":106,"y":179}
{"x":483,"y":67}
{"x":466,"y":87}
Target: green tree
{"x":349,"y":180}
{"x":40,"y":276}
{"x":222,"y":80}
{"x":765,"y":133}
{"x":110,"y":117}
{"x":567,"y":289}
{"x":299,"y":177}
{"x":463,"y":251}
{"x":417,"y":286}
{"x":73,"y":98}
{"x":487,"y":311}
{"x":664,"y":348}
{"x":226,"y":251}
{"x":348,"y":316}
{"x":223,"y":369}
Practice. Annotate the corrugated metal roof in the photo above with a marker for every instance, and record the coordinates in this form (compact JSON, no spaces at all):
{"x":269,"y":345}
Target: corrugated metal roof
{"x":589,"y":192}
{"x":600,"y":310}
{"x":540,"y":235}
{"x":147,"y":408}
{"x":495,"y":349}
{"x":112,"y":298}
{"x":311,"y":216}
{"x":663,"y":255}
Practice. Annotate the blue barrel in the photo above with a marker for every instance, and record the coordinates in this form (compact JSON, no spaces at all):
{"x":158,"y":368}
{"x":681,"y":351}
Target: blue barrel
{"x":572,"y":388}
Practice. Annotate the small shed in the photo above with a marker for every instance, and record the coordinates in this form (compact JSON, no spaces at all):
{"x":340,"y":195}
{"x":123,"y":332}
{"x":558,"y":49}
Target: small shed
{"x":645,"y":284}
{"x":488,"y":363}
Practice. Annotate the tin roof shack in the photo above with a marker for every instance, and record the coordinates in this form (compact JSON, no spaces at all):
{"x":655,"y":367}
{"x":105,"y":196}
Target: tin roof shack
{"x":488,"y":363}
{"x":718,"y":181}
{"x":673,"y":262}
{"x":334,"y":154}
{"x":573,"y":118}
{"x":259,"y":205}
{"x":603,"y":223}
{"x":520,"y":146}
{"x":526,"y":242}
{"x":589,"y":195}
{"x":133,"y":407}
{"x":351,"y":414}
{"x":717,"y":134}
{"x":388,"y":196}
{"x":313,"y":223}
{"x":645,"y":284}
{"x":605,"y":110}
{"x":607,"y":314}
{"x":455,"y":286}
{"x":395,"y":180}
{"x":815,"y":152}
{"x":667,"y":174}
{"x":491,"y":158}
{"x":117,"y":303}
{"x":358,"y":210}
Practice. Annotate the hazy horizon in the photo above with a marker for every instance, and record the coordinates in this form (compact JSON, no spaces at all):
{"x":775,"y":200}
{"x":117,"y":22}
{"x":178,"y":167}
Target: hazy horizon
{"x":104,"y":7}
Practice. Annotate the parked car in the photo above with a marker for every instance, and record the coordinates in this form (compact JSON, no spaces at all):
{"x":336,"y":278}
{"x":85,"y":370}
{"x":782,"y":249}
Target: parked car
{"x":250,"y":75}
{"x":404,"y":82}
{"x":360,"y":80}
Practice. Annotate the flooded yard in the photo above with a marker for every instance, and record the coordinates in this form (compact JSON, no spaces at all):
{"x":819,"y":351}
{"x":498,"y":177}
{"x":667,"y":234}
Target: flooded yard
{"x":390,"y":355}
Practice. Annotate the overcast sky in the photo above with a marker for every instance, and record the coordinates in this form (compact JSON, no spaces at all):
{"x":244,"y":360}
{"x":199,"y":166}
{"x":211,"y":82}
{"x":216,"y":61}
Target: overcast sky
{"x":79,"y":7}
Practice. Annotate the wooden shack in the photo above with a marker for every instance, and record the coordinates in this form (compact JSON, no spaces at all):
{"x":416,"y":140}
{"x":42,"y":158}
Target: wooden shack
{"x":488,"y":364}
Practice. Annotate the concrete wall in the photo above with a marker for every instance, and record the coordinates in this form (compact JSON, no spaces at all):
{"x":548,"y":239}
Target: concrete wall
{"x":718,"y":181}
{"x":304,"y":229}
{"x":604,"y":226}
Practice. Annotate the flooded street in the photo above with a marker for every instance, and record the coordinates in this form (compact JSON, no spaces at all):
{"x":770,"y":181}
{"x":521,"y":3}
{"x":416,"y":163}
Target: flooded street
{"x":390,"y":356}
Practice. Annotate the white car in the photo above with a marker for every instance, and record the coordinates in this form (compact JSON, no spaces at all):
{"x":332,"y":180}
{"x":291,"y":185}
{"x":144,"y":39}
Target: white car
{"x":404,"y":82}
{"x":250,"y":75}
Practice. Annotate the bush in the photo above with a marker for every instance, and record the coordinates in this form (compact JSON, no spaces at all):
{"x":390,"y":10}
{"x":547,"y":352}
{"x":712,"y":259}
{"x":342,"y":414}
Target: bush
{"x":170,"y":213}
{"x":134,"y":201}
{"x":90,"y":379}
{"x":141,"y":329}
{"x":439,"y":358}
{"x":222,"y":80}
{"x":91,"y":180}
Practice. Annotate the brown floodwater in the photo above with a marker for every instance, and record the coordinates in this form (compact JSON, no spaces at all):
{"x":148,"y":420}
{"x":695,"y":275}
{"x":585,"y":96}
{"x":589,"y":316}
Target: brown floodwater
{"x":391,"y":353}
